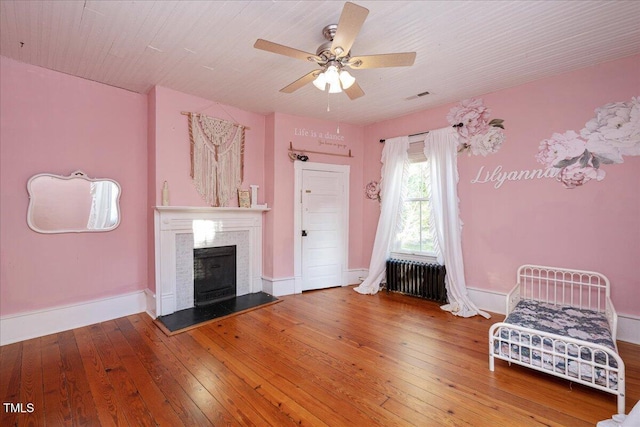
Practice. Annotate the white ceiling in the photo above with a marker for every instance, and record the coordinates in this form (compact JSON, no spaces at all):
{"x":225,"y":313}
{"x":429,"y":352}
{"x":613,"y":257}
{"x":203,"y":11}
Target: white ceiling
{"x":205,"y":48}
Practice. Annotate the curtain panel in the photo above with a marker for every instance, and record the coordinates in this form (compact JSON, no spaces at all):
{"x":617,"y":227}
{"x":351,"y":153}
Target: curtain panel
{"x":394,"y":159}
{"x":440,"y":149}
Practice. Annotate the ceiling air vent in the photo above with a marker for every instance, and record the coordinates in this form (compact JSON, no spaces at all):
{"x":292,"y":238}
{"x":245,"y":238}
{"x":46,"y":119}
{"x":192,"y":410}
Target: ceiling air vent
{"x":421,"y":94}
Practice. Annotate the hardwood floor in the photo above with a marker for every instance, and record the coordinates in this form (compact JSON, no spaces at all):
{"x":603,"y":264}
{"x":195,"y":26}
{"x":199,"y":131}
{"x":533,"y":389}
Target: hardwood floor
{"x":330,"y":357}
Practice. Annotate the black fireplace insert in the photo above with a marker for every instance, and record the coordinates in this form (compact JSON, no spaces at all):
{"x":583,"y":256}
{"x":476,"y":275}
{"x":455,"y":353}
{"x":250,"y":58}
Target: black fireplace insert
{"x":214,"y":274}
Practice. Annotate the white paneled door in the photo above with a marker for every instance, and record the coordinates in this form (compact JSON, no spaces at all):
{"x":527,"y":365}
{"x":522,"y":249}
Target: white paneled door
{"x":323,"y":231}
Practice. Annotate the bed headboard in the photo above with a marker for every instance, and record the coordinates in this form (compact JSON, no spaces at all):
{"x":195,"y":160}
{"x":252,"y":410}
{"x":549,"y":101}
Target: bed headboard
{"x":562,"y":286}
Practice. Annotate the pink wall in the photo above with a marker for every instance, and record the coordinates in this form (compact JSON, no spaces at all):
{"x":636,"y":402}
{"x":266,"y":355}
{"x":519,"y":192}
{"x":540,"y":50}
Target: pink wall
{"x":266,"y":164}
{"x":594,"y":227}
{"x":52,"y":122}
{"x":151,"y":187}
{"x":269,"y":197}
{"x":169,"y":152}
{"x":306,"y":133}
{"x":172,"y":162}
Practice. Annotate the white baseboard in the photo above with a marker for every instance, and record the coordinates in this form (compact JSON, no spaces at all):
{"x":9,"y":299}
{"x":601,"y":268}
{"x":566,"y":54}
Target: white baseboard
{"x":24,"y":326}
{"x":291,"y":285}
{"x":492,"y":301}
{"x":278,"y":287}
{"x":628,"y":326}
{"x":150,"y":297}
{"x":356,"y":275}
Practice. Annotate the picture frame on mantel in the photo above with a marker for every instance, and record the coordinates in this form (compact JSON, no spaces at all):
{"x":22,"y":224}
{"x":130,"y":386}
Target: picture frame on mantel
{"x":244,"y":198}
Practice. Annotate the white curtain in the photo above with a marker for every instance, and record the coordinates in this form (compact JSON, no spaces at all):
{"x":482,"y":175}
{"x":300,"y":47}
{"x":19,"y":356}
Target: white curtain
{"x":440,"y":148}
{"x":101,"y":215}
{"x":394,"y":159}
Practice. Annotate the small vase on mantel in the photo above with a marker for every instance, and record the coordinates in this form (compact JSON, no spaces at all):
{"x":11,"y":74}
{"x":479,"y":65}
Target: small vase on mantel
{"x":165,"y":194}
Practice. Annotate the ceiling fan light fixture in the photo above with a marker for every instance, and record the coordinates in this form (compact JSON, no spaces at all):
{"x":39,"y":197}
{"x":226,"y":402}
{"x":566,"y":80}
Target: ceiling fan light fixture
{"x":332,"y":75}
{"x":335,"y":87}
{"x":346,"y":79}
{"x":320,"y":82}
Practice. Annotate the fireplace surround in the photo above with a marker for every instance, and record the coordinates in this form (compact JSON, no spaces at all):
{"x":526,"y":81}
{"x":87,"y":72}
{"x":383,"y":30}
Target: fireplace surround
{"x":180,"y":230}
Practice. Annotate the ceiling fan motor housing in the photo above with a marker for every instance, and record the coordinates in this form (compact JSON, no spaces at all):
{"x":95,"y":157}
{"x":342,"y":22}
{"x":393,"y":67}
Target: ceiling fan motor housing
{"x":329,"y":31}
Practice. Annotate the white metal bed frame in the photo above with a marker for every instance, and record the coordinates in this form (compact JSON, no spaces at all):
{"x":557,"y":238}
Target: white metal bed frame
{"x":561,"y":286}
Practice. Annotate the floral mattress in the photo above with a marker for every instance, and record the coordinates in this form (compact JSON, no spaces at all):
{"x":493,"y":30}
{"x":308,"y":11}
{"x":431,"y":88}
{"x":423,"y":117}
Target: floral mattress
{"x":582,"y":324}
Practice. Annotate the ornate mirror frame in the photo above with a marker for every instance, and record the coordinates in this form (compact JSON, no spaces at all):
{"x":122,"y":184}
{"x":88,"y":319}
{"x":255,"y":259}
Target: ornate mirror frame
{"x":73,"y":204}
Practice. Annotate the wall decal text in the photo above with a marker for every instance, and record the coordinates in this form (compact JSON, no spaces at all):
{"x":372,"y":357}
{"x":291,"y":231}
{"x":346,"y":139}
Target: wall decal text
{"x":313,"y":134}
{"x":498,"y":176}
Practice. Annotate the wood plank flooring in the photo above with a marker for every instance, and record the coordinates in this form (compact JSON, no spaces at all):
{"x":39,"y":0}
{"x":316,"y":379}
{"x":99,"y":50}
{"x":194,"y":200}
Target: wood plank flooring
{"x":323,"y":358}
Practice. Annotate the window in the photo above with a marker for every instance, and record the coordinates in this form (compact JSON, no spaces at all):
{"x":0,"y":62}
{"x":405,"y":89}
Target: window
{"x":414,"y":236}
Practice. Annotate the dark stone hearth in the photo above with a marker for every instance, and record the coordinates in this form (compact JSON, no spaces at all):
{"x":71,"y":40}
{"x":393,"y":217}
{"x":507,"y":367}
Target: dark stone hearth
{"x":192,"y":316}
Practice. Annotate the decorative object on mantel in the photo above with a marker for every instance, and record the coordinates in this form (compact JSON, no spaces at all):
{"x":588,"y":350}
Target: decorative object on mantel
{"x":217,"y":157}
{"x":614,"y":132}
{"x":165,"y":194}
{"x":297,"y":154}
{"x":477,"y":135}
{"x":372,"y":190}
{"x":244,"y":199}
{"x":254,"y":197}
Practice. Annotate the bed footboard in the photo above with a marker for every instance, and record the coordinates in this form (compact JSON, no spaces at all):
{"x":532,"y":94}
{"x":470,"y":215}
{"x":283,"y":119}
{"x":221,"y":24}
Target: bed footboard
{"x":579,"y":361}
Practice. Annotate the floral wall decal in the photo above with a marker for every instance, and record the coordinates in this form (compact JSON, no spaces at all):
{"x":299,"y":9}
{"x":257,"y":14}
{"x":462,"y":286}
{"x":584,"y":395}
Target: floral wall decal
{"x":477,"y":134}
{"x":614,"y":132}
{"x":372,"y":190}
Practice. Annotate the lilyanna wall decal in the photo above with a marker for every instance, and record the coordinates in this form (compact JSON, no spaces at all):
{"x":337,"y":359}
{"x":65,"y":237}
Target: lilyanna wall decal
{"x":477,"y":134}
{"x":614,"y":132}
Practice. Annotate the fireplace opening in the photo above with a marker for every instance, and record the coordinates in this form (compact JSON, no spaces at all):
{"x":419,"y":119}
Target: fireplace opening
{"x":214,"y":274}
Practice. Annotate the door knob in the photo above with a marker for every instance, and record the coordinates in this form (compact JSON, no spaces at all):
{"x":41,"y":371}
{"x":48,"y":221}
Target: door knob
{"x":304,"y":233}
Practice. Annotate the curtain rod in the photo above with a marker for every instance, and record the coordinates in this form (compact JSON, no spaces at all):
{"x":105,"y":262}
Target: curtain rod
{"x":422,"y":133}
{"x":186,"y":113}
{"x":413,"y":134}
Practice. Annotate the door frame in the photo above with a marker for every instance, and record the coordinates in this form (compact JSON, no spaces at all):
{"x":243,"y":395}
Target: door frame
{"x":344,"y":170}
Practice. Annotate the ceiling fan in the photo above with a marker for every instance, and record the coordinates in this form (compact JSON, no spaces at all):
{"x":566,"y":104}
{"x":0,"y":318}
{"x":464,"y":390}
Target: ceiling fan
{"x":334,"y":56}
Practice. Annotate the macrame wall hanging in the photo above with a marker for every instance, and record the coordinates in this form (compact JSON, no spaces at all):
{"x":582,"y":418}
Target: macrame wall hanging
{"x":217,"y":157}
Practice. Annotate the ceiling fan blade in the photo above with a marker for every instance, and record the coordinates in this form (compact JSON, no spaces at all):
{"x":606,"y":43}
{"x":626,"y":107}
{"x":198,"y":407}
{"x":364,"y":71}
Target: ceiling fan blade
{"x":307,"y":78}
{"x":404,"y":59}
{"x":349,"y":26}
{"x":285,"y":50}
{"x":354,"y":92}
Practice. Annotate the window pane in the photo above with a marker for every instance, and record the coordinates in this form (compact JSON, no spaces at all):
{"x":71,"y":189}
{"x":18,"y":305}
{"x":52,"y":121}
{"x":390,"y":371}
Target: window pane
{"x":416,"y":180}
{"x":409,"y":237}
{"x":426,"y":244}
{"x":414,"y":236}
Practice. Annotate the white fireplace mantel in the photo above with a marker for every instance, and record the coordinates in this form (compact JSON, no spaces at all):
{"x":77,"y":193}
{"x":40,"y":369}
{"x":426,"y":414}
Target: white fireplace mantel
{"x":171,"y":221}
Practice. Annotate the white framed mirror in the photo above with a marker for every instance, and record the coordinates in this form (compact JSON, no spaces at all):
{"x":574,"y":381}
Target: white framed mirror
{"x":72,"y":204}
